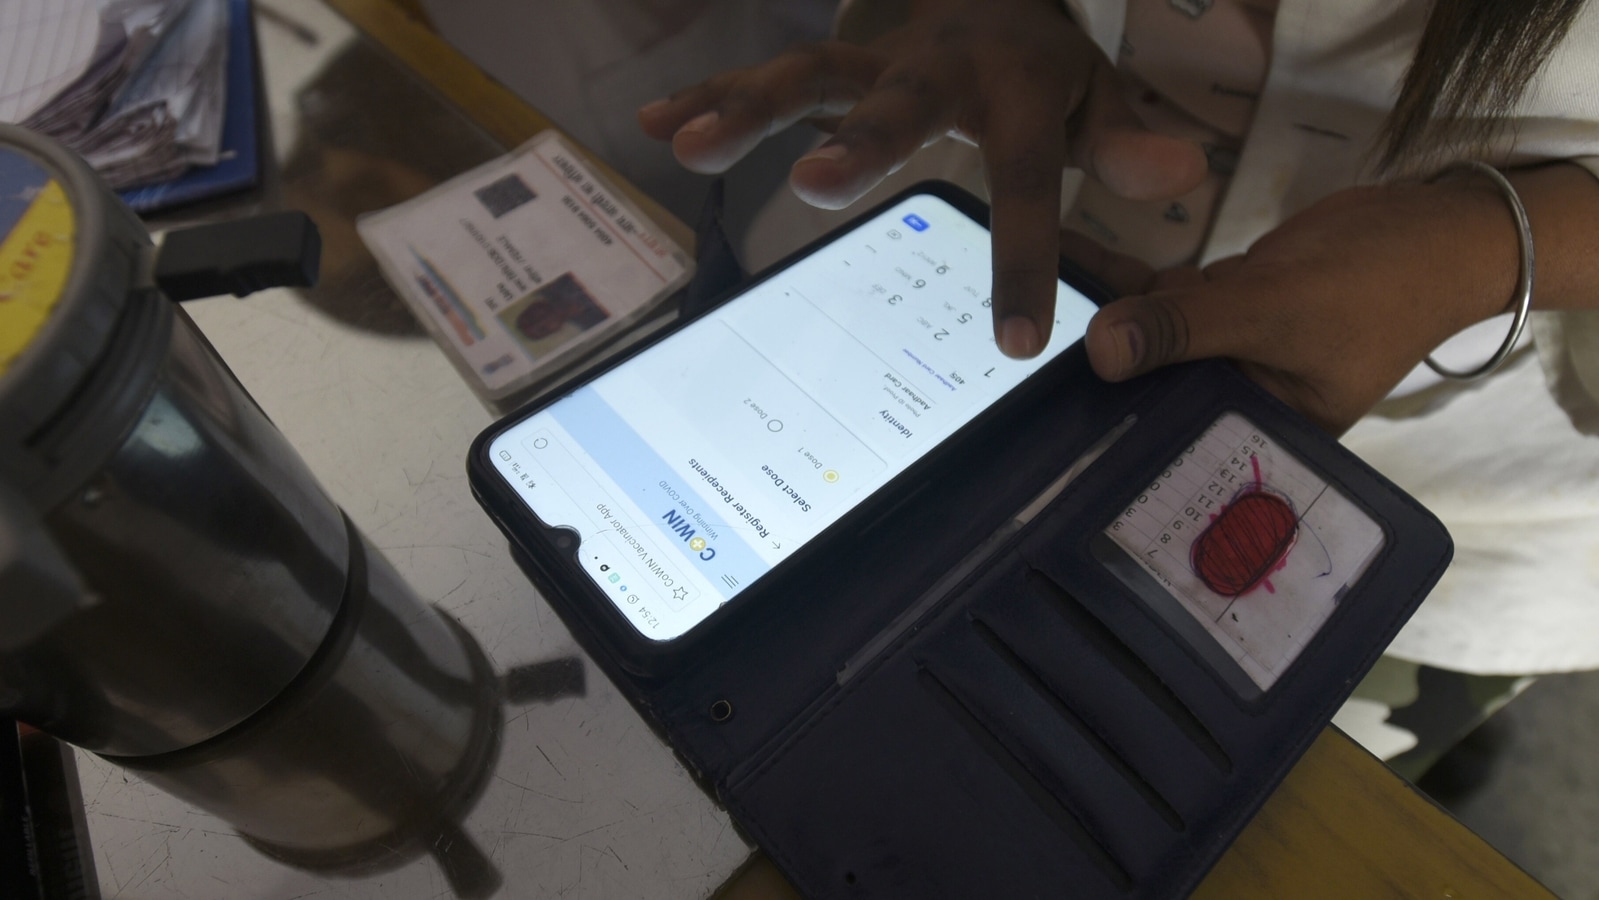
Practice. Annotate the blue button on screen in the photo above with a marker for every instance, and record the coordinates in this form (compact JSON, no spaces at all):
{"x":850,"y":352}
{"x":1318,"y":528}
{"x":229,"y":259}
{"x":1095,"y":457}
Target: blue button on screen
{"x":916,"y":222}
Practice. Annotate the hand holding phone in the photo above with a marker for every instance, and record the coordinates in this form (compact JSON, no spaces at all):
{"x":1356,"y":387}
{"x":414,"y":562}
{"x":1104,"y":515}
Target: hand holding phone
{"x":784,"y":531}
{"x":1021,"y":79}
{"x":694,"y":468}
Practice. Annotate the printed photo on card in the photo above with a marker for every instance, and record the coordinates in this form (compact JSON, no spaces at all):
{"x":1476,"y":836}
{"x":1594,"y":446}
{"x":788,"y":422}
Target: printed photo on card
{"x":523,"y":263}
{"x":554,"y":314}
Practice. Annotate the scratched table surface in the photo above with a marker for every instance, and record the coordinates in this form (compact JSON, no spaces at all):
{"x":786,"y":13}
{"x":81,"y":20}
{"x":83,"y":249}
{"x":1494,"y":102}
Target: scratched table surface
{"x":584,"y":801}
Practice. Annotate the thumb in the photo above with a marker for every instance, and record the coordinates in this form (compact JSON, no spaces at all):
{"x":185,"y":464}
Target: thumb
{"x":1113,"y":145}
{"x":1135,"y":335}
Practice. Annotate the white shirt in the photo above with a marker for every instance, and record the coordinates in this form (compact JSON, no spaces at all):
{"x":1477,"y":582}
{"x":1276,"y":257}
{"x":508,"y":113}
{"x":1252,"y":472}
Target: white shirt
{"x":1510,"y":464}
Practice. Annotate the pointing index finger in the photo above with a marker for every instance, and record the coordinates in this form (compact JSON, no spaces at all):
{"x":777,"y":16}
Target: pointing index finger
{"x":1024,"y":150}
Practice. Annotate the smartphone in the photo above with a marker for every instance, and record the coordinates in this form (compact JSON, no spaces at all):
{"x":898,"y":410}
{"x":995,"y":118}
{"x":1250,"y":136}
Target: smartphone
{"x":734,"y":446}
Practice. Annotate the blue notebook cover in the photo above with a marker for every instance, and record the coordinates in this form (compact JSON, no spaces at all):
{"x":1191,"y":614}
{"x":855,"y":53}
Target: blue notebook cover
{"x":240,"y":165}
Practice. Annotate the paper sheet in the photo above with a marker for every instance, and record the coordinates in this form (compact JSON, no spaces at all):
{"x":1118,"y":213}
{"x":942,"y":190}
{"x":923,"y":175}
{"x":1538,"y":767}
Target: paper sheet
{"x":169,"y":114}
{"x":1250,"y":541}
{"x":136,"y":86}
{"x":45,"y":45}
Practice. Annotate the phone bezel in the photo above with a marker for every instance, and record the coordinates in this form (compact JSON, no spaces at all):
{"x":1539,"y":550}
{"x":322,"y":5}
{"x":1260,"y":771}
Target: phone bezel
{"x":555,"y":570}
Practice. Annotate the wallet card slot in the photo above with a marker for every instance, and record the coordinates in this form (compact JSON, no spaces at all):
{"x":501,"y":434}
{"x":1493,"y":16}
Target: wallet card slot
{"x":1054,"y":749}
{"x":1072,"y":667}
{"x":1126,"y":662}
{"x":1091,"y":735}
{"x":1048,"y":800}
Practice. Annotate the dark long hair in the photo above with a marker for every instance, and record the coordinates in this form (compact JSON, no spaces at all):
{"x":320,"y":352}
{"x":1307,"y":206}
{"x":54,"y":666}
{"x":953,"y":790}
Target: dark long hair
{"x":1475,"y":60}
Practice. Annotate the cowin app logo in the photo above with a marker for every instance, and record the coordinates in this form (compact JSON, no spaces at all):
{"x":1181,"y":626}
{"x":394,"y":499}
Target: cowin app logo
{"x":684,"y":529}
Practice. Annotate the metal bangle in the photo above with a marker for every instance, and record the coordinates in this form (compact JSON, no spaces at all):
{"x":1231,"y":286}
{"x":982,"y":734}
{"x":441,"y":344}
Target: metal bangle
{"x":1521,"y":302}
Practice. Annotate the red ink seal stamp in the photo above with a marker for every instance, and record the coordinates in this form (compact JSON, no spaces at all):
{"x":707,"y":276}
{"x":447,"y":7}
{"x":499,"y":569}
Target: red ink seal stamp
{"x":1247,"y":542}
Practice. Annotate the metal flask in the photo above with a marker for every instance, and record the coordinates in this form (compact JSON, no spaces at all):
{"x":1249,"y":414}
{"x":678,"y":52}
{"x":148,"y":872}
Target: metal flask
{"x":177,"y":593}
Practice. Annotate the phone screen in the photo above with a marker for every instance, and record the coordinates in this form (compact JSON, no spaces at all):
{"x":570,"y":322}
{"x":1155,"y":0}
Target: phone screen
{"x":694,"y":468}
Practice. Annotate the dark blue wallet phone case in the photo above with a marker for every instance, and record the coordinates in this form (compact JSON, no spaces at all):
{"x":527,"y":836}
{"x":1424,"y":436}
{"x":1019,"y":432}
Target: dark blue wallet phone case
{"x":900,"y":717}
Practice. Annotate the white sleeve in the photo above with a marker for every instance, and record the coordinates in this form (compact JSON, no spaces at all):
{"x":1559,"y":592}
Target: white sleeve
{"x":1558,"y":119}
{"x":1568,"y":348}
{"x":859,"y":21}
